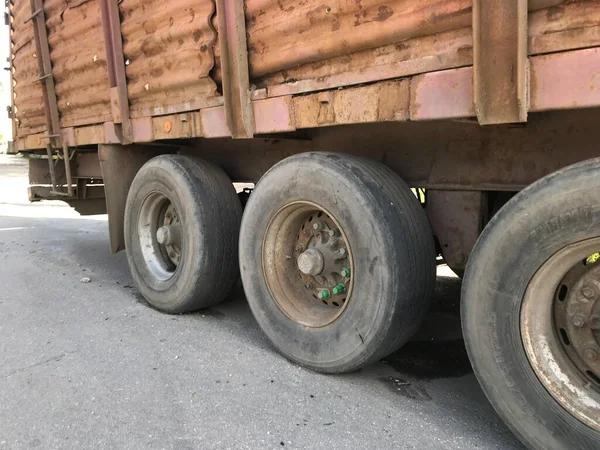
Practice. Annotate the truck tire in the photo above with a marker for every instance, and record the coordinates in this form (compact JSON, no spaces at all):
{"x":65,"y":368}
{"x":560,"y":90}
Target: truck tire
{"x":181,"y":232}
{"x":531,"y":310}
{"x":337,"y":260}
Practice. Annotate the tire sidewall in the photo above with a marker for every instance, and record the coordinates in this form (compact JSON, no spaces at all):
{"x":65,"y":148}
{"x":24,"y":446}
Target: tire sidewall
{"x":538,"y":222}
{"x":382,"y":270}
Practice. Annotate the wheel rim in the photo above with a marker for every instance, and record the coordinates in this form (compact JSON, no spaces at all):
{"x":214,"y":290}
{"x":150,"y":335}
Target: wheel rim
{"x":560,"y":327}
{"x":159,"y":231}
{"x":308,"y":264}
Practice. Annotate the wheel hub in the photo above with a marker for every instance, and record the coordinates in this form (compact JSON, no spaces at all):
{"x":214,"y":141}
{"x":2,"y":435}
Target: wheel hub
{"x":559,"y":329}
{"x":324,"y":264}
{"x":169,"y":235}
{"x":160,"y":234}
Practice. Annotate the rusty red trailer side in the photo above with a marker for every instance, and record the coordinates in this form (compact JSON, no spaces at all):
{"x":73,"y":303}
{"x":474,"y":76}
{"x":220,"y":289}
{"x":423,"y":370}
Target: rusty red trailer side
{"x":149,"y":109}
{"x":170,"y":60}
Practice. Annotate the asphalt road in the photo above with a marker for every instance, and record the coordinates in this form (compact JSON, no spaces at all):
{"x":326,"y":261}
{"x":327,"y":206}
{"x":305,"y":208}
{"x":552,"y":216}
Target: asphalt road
{"x":92,"y":366}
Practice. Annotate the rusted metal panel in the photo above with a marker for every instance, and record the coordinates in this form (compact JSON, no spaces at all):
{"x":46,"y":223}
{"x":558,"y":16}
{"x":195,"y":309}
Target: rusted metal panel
{"x":557,"y":80}
{"x":234,"y":66}
{"x":566,"y":27}
{"x":169,"y":49}
{"x":456,"y":218}
{"x":380,"y":102}
{"x":79,"y":61}
{"x":500,"y":76}
{"x":214,"y":122}
{"x":570,"y":25}
{"x":28,"y":95}
{"x":274,"y":115}
{"x":439,"y":155}
{"x":566,"y":80}
{"x":117,"y":79}
{"x":185,"y":125}
{"x":447,"y":94}
{"x":288,"y":33}
{"x":414,"y":56}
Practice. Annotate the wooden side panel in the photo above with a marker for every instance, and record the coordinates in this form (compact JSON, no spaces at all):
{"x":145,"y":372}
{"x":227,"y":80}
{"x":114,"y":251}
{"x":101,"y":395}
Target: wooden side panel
{"x":169,"y":48}
{"x":79,"y":61}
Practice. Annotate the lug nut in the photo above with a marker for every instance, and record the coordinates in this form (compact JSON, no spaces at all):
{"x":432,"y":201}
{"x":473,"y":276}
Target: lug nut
{"x":299,"y":248}
{"x":587,"y":292}
{"x":339,"y":289}
{"x":317,"y":226}
{"x":346,"y":273}
{"x":579,"y":321}
{"x":591,"y":354}
{"x":324,"y":294}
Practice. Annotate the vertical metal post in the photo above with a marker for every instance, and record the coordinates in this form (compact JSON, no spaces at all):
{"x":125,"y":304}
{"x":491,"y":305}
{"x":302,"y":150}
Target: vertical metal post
{"x":234,"y":65}
{"x":117,"y":77}
{"x":501,"y":74}
{"x":10,"y":59}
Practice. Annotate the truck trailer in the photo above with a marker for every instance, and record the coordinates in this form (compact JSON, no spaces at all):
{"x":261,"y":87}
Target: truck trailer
{"x":338,"y":112}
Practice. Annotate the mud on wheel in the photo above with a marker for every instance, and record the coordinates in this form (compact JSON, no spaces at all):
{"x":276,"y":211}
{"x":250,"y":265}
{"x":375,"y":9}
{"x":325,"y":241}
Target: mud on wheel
{"x":531,"y":310}
{"x":337,"y":260}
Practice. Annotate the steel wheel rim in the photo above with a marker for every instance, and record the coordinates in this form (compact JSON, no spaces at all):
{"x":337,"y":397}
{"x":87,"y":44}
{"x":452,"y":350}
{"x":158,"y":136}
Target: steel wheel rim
{"x":553,"y":337}
{"x":159,"y":231}
{"x":299,"y":295}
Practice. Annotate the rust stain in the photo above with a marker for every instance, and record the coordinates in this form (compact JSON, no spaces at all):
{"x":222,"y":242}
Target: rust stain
{"x":384,"y":13}
{"x":554,"y":13}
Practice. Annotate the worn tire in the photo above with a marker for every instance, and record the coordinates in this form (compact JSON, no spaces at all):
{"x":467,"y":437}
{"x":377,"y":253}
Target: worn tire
{"x":210,"y":214}
{"x":394,"y":267}
{"x":551,"y":214}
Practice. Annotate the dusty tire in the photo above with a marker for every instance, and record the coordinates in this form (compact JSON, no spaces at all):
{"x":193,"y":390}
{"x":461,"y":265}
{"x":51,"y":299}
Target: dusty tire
{"x":198,"y":269}
{"x":390,"y":247}
{"x":512,"y":265}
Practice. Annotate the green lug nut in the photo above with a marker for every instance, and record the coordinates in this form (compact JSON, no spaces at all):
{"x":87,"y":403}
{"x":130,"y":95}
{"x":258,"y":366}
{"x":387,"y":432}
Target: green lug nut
{"x":339,"y":289}
{"x":345,"y":273}
{"x":324,"y":294}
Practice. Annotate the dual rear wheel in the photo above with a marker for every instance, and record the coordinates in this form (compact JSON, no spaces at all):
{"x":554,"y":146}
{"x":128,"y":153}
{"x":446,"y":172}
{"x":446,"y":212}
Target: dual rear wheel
{"x":336,"y":254}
